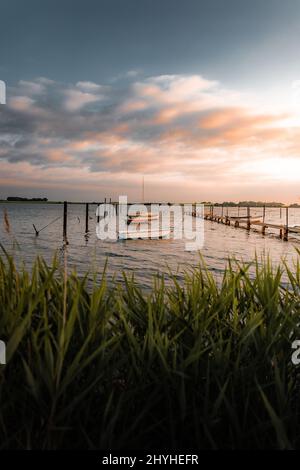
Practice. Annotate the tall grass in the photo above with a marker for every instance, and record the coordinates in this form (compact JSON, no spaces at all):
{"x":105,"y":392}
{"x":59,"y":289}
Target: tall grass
{"x":201,"y":364}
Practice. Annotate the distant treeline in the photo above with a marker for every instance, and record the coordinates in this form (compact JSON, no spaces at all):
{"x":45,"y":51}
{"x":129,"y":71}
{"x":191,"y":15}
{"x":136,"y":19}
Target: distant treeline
{"x":251,"y":204}
{"x":12,"y":198}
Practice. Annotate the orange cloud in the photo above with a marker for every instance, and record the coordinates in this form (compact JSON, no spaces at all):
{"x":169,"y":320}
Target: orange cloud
{"x":189,"y":130}
{"x":132,"y":106}
{"x":57,"y":155}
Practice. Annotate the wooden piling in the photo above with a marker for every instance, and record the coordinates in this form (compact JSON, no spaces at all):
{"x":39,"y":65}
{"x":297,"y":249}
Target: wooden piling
{"x":87,"y":217}
{"x":36,"y":230}
{"x":263,"y":228}
{"x":194,"y":212}
{"x":280,"y":233}
{"x":65,"y":222}
{"x":286,"y":229}
{"x":248,"y":218}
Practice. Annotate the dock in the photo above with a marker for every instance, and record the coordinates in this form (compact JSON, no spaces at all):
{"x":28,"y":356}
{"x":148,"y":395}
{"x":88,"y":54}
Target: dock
{"x":248,"y":222}
{"x":256,"y":222}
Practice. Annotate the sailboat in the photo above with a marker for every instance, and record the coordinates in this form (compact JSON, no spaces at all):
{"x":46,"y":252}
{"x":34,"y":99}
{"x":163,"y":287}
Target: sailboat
{"x":143,"y":225}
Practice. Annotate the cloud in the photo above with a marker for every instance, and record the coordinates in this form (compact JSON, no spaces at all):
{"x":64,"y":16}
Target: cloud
{"x":171,"y":126}
{"x":133,"y":73}
{"x":32,"y":88}
{"x":89,"y":87}
{"x":132,"y":106}
{"x":21,"y":103}
{"x":77,"y":99}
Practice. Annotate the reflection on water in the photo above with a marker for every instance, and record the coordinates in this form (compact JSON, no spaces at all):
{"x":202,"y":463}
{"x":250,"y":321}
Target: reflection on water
{"x":143,"y":258}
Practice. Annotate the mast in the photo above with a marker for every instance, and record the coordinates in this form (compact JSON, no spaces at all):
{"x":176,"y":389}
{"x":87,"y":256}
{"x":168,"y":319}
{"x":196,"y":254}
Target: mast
{"x":143,"y":189}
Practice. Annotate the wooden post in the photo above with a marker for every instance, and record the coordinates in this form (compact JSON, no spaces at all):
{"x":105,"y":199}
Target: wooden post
{"x":65,"y":221}
{"x":263,"y":229}
{"x":238,"y":210}
{"x":87,"y":217}
{"x":36,"y":230}
{"x":248,"y":218}
{"x":286,"y":230}
{"x":212,"y":211}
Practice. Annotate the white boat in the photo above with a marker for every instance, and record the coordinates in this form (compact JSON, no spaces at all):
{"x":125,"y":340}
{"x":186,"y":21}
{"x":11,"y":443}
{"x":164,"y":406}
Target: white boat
{"x":294,"y":228}
{"x":139,"y":226}
{"x":143,"y":225}
{"x":143,"y":234}
{"x":142,"y":217}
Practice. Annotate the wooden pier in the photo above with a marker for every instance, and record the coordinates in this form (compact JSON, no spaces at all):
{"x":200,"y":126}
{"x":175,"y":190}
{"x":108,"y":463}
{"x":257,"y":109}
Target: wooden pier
{"x":211,"y":213}
{"x":247,"y":222}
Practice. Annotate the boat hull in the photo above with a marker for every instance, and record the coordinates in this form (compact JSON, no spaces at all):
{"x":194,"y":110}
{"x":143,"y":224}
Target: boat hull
{"x":143,"y":234}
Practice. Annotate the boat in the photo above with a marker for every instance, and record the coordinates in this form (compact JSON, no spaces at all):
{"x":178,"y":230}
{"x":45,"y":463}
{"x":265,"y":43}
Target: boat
{"x":140,"y":226}
{"x":294,"y":228}
{"x":141,"y":217}
{"x":143,"y":225}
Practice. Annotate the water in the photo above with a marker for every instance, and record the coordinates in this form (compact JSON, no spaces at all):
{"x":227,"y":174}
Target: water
{"x":143,"y":258}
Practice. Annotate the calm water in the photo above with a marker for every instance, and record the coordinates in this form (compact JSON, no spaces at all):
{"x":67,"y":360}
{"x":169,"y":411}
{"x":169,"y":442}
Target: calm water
{"x":143,"y":258}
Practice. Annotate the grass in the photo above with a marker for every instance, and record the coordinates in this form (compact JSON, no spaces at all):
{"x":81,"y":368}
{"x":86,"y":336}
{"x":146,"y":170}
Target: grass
{"x":200,"y":365}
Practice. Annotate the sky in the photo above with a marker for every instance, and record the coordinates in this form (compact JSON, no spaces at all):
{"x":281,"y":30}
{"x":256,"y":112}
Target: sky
{"x":201,"y":97}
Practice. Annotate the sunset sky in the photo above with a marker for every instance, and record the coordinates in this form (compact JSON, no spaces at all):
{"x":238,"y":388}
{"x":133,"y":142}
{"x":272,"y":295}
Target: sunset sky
{"x":202,"y":97}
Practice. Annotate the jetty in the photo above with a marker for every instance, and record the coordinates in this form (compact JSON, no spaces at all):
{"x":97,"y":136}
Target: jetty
{"x":249,"y":221}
